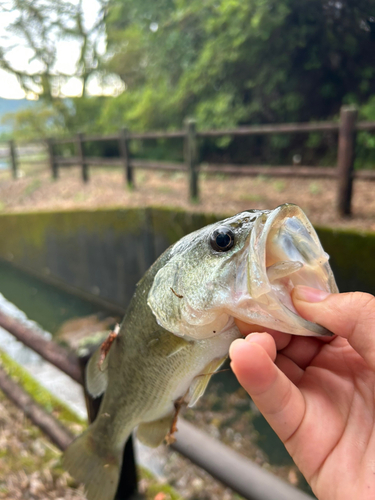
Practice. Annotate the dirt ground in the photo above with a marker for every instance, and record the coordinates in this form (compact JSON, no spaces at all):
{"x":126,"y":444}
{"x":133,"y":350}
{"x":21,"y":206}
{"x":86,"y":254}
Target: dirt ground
{"x":219,"y":194}
{"x":30,"y":464}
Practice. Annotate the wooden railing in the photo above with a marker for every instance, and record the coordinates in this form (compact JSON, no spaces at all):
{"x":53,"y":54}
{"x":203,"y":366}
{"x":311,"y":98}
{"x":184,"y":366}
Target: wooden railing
{"x":344,"y":172}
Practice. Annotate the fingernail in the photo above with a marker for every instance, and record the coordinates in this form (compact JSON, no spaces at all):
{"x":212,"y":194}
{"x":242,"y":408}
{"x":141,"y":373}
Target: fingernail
{"x":308,"y":294}
{"x":253,"y":337}
{"x":236,"y":344}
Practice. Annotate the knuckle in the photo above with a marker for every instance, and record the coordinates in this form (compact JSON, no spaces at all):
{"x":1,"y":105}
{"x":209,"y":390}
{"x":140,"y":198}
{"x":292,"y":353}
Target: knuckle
{"x":361,"y":300}
{"x":363,"y":306}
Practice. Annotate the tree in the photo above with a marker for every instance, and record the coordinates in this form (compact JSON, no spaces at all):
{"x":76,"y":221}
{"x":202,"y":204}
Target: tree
{"x":39,"y":26}
{"x":230,"y":62}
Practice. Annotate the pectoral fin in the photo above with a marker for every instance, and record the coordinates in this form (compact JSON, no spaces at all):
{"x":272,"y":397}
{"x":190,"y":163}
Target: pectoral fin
{"x":97,"y":374}
{"x":97,"y":367}
{"x":153,"y":433}
{"x":200,"y":382}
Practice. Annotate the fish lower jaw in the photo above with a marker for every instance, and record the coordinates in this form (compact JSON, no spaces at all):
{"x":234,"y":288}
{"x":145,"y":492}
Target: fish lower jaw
{"x":274,"y":312}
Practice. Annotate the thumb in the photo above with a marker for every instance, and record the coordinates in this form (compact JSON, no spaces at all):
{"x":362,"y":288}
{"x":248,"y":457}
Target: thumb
{"x":349,"y":315}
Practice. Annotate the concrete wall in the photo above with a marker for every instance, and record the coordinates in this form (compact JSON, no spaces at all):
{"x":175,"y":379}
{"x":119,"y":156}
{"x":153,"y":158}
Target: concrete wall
{"x":105,"y":252}
{"x":102,"y":252}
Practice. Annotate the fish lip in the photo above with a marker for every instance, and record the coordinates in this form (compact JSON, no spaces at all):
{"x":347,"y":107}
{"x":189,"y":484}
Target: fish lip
{"x":258,"y":283}
{"x":259,"y":286}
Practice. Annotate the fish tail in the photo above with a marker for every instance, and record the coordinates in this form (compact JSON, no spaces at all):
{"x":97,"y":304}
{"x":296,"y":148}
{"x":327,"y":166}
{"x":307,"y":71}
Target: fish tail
{"x":94,"y":465}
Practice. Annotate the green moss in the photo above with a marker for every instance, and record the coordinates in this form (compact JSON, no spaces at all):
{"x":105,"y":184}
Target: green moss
{"x":40,"y":394}
{"x":34,"y":185}
{"x":173,"y":224}
{"x":28,"y":233}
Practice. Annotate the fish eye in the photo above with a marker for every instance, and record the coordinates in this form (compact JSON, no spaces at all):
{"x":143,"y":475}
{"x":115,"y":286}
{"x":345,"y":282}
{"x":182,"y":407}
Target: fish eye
{"x":222,"y":239}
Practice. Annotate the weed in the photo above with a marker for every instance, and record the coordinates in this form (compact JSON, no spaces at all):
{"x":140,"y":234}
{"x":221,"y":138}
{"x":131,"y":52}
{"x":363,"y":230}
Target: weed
{"x":314,"y":188}
{"x":251,"y":197}
{"x":262,"y":178}
{"x":177,"y":176}
{"x":221,"y":177}
{"x":279,"y":186}
{"x":80,"y":197}
{"x":164,"y":189}
{"x":140,"y":177}
{"x":33,"y":186}
{"x":2,"y":206}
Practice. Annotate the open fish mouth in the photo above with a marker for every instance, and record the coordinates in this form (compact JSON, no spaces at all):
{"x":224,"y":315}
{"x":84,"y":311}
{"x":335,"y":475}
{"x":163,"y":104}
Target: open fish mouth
{"x":243,"y":268}
{"x":286,"y":252}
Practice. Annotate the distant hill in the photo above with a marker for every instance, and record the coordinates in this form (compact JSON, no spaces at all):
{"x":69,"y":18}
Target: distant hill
{"x":11,"y":106}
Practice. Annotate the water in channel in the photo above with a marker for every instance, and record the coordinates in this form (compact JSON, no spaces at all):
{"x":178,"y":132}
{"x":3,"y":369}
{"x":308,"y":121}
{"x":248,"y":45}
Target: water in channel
{"x":225,"y":412}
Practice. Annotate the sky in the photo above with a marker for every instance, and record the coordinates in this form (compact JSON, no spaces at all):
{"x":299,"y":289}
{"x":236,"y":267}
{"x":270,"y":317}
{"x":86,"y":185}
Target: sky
{"x":67,"y":51}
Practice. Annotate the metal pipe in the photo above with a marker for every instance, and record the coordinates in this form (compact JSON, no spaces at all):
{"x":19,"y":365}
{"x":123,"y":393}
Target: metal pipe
{"x":58,"y":356}
{"x":232,"y":469}
{"x":58,"y":434}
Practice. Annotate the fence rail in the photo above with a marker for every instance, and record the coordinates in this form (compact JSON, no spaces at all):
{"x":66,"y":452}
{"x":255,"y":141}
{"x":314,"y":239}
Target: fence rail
{"x":223,"y":463}
{"x":344,"y":172}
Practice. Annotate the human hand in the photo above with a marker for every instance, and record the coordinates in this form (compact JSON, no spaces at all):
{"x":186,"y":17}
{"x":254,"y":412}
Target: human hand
{"x":318,"y":395}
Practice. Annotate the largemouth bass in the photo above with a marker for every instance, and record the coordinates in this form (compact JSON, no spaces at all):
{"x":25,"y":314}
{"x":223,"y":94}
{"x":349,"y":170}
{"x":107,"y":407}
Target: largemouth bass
{"x":181,"y":322}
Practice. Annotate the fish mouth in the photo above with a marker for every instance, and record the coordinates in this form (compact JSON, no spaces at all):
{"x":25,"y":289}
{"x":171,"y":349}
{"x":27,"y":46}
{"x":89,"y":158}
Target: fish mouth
{"x":286,"y":252}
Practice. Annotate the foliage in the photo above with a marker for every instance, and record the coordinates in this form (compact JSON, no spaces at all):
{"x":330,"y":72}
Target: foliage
{"x":365,"y":154}
{"x":228,"y":62}
{"x":57,"y":118}
{"x":223,"y":62}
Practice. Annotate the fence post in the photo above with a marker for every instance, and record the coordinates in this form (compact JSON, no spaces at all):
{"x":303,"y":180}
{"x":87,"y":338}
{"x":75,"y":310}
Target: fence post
{"x":128,"y":483}
{"x":124,"y":154}
{"x":13,"y":159}
{"x":52,"y":163}
{"x":345,"y":158}
{"x":81,"y":155}
{"x":191,"y":159}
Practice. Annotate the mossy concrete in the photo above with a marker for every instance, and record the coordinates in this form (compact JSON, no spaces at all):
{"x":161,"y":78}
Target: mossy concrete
{"x":105,"y":252}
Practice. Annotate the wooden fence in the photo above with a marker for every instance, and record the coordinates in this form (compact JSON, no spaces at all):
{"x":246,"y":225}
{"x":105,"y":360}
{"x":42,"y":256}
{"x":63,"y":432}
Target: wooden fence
{"x":344,"y":172}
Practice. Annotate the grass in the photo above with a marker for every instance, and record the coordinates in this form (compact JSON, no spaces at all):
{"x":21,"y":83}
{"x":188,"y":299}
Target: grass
{"x":79,"y":197}
{"x":164,"y":189}
{"x":262,"y":178}
{"x":279,"y":186}
{"x":140,"y":177}
{"x":175,"y":176}
{"x":251,"y":197}
{"x":33,"y":186}
{"x":221,"y":177}
{"x":314,"y":188}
